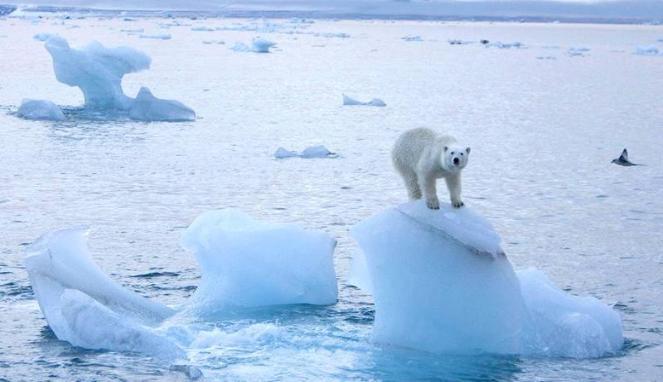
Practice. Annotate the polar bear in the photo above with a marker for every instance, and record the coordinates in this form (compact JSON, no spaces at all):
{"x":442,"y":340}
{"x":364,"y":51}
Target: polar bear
{"x":422,"y":157}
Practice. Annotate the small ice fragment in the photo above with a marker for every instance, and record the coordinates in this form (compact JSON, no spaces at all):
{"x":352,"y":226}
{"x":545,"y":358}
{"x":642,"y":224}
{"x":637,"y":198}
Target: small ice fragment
{"x":412,"y":38}
{"x":283,"y":153}
{"x":648,"y":50}
{"x":577,"y":51}
{"x":318,"y":151}
{"x":147,"y":107}
{"x":260,"y":45}
{"x":40,"y":110}
{"x":347,"y":101}
{"x":156,"y":36}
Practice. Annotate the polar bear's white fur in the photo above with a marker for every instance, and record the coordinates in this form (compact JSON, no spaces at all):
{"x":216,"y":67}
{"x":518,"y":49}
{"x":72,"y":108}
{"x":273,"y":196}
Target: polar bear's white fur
{"x":422,"y":157}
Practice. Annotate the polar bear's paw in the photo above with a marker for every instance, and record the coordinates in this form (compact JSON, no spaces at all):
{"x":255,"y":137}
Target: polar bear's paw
{"x":433,"y":204}
{"x":457,"y":204}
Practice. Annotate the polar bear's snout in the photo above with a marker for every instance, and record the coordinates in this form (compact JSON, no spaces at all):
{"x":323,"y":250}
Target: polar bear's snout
{"x":456,"y":161}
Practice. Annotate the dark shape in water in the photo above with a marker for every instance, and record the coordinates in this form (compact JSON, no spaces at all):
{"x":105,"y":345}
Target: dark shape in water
{"x":623,"y":160}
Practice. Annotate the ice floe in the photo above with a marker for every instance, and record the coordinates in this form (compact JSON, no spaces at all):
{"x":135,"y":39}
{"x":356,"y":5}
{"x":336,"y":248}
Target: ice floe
{"x":40,"y":110}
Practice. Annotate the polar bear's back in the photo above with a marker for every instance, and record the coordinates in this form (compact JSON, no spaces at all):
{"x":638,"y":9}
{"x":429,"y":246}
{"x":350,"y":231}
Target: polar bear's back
{"x":415,"y":143}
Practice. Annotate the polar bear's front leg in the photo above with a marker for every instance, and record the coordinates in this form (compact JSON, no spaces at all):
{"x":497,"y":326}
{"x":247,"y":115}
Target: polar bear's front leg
{"x":453,"y":184}
{"x":430,"y":192}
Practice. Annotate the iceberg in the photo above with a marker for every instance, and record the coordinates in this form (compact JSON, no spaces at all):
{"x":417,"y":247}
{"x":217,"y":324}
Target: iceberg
{"x":40,"y":110}
{"x":442,"y":283}
{"x":147,"y":107}
{"x":248,"y":263}
{"x":96,"y":70}
{"x":85,"y":307}
{"x":347,"y":101}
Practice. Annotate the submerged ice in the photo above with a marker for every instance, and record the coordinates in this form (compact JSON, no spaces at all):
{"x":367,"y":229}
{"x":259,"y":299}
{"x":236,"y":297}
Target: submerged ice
{"x":98,"y":72}
{"x":441,"y":283}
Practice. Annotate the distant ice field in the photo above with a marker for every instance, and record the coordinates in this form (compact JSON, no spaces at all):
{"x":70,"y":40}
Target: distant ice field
{"x":544,"y":119}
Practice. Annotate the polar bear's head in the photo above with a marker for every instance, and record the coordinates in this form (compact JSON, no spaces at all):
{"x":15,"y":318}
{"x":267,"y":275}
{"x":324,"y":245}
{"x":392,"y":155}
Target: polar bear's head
{"x":454,"y":158}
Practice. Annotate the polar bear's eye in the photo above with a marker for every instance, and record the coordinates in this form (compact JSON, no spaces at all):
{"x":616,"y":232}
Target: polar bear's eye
{"x":452,"y":153}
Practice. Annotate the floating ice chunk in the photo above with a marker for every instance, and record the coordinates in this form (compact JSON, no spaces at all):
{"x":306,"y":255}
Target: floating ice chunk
{"x":40,"y":110}
{"x":164,"y":36}
{"x":133,"y":31}
{"x":318,"y":151}
{"x":260,"y":45}
{"x":96,"y":70}
{"x":209,"y":42}
{"x":282,"y":153}
{"x":147,"y":107}
{"x":577,"y":51}
{"x":347,"y":101}
{"x":203,"y":29}
{"x":562,"y":325}
{"x":504,"y":45}
{"x":84,"y":306}
{"x":248,"y":263}
{"x":412,"y":38}
{"x":240,"y":47}
{"x":648,"y":50}
{"x":440,"y":284}
{"x":333,"y":35}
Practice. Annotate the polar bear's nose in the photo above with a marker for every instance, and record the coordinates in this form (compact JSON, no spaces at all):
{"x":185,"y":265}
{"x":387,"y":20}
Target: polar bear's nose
{"x":456,"y":160}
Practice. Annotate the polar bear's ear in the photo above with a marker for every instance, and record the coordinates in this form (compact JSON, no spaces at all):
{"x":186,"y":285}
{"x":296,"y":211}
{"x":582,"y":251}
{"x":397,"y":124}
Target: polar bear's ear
{"x":467,"y":150}
{"x":446,"y":148}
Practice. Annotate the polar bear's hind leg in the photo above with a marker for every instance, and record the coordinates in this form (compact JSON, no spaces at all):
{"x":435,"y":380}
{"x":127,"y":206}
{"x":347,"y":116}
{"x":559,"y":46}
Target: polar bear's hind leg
{"x":412,"y":185}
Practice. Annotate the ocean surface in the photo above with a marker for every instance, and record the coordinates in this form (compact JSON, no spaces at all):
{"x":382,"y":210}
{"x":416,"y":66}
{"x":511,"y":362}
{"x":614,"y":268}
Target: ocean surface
{"x":544,"y":119}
